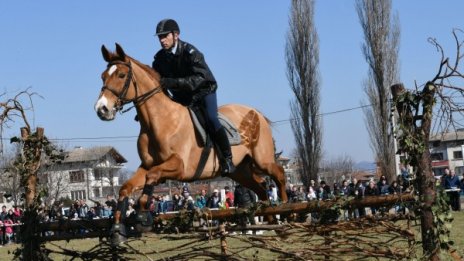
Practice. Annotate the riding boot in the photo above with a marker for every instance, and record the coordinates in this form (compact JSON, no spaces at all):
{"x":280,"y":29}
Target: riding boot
{"x":227,"y":166}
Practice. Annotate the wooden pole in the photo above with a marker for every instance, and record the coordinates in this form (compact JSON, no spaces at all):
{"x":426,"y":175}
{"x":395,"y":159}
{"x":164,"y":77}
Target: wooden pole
{"x":311,"y":206}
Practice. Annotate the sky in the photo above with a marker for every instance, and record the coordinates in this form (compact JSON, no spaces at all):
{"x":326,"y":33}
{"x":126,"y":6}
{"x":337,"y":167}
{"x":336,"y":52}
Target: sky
{"x":53,"y":48}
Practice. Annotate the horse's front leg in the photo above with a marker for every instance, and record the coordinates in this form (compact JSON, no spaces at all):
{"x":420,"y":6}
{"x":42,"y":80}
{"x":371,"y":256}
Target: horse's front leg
{"x":172,"y":168}
{"x":136,"y":182}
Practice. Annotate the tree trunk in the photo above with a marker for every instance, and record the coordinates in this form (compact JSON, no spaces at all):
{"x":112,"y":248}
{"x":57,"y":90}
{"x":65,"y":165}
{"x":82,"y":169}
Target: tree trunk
{"x":426,"y":179}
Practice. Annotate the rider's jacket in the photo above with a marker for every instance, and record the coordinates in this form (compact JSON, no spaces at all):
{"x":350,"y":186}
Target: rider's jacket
{"x":188,"y":66}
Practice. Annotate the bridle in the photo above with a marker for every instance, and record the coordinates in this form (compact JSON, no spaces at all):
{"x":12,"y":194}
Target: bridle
{"x":122,"y":100}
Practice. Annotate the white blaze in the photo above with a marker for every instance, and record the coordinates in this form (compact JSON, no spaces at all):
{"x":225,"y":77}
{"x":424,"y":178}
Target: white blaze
{"x":112,"y":69}
{"x":101,"y":102}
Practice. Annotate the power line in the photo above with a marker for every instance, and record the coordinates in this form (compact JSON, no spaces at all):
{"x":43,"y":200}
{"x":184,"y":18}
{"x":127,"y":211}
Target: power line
{"x":121,"y":138}
{"x":327,"y":113}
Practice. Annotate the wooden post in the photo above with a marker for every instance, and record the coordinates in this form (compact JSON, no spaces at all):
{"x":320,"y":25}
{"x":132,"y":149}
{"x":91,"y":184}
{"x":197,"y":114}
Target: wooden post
{"x":223,"y":233}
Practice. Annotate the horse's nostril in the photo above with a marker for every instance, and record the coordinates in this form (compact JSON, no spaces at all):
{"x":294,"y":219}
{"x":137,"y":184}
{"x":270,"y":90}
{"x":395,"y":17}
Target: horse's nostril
{"x":103,"y":109}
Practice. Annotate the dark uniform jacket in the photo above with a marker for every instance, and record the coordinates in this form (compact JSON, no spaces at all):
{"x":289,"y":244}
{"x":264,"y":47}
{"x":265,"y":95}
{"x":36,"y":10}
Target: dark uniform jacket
{"x":187,"y":65}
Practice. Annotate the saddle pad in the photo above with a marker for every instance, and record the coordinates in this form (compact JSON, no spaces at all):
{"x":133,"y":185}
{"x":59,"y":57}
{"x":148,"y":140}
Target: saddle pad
{"x":231,"y":130}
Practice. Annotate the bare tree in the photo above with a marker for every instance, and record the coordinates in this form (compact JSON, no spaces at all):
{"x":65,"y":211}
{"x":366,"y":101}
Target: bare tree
{"x":436,"y":106}
{"x":10,"y":179}
{"x":302,"y":58}
{"x":337,"y":169}
{"x":380,"y":49}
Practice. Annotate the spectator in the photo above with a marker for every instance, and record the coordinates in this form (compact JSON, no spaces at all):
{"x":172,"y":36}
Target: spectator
{"x":462,"y":184}
{"x":83,"y":209}
{"x":153,"y":206}
{"x":229,"y":197}
{"x":91,"y":214}
{"x":176,"y":202}
{"x":324,"y":192}
{"x":384,"y":188}
{"x":358,"y":192}
{"x":404,"y":177}
{"x":8,"y":223}
{"x":271,"y":195}
{"x":244,"y":198}
{"x":214,"y":200}
{"x":3,"y":216}
{"x":291,"y":191}
{"x":111,"y":204}
{"x":2,"y":234}
{"x":345,"y":188}
{"x":130,"y":210}
{"x":382,"y":178}
{"x":300,"y":194}
{"x":189,"y":204}
{"x":372,"y":190}
{"x":394,"y":188}
{"x":163,"y":205}
{"x":452,"y":185}
{"x":311,"y":193}
{"x":200,"y":201}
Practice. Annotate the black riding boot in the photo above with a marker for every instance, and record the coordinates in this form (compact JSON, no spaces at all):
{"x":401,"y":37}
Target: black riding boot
{"x":227,"y":166}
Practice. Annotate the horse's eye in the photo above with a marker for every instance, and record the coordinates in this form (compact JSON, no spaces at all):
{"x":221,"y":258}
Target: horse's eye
{"x":121,"y":75}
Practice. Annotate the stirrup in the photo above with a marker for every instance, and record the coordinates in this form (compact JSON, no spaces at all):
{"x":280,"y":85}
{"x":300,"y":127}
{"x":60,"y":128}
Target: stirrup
{"x":227,"y":167}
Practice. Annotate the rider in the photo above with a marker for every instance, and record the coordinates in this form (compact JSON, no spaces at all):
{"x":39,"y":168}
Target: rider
{"x":188,"y":78}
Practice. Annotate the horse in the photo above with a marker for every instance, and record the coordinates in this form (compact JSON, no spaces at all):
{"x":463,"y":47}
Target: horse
{"x":167,"y":144}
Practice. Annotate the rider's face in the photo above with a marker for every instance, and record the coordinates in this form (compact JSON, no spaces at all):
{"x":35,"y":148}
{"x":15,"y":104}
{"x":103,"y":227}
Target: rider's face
{"x":168,"y":40}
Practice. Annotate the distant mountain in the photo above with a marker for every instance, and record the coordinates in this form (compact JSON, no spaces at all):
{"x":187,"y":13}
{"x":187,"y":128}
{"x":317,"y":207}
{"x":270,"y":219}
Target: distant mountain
{"x":364,"y":165}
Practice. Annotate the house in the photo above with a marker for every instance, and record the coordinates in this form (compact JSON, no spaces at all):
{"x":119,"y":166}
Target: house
{"x":290,"y":170}
{"x":446,"y":151}
{"x":85,"y":173}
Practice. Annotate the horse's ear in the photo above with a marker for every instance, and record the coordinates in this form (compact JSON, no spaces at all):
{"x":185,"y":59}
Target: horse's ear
{"x":120,"y":52}
{"x":106,"y":54}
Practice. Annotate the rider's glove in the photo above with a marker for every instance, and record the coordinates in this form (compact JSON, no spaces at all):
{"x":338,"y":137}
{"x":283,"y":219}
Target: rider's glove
{"x":169,"y":83}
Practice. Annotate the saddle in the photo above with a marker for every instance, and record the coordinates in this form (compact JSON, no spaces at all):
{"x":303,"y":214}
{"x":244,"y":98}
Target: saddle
{"x":199,"y":123}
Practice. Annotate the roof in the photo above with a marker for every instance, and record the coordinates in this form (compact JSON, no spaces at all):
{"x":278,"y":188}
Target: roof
{"x":93,"y":154}
{"x":449,"y":136}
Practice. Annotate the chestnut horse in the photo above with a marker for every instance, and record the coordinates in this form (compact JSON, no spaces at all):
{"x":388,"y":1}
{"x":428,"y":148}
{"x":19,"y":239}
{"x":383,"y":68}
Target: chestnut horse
{"x":167,"y":143}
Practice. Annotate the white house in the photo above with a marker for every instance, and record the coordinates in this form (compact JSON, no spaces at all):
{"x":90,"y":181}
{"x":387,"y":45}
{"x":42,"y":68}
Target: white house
{"x":446,"y":151}
{"x":86,"y":173}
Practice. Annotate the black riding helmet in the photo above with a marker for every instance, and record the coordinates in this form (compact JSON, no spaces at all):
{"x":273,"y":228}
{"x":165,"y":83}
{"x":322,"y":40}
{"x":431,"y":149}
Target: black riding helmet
{"x":166,"y":26}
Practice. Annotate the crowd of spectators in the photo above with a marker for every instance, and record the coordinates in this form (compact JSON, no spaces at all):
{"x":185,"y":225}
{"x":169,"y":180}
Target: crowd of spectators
{"x":239,"y":196}
{"x":9,"y":223}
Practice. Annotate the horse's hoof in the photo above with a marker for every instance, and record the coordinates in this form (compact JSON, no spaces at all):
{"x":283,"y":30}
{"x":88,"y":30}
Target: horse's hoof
{"x":118,"y":234}
{"x":143,"y":229}
{"x":144,"y":222}
{"x":145,"y":218}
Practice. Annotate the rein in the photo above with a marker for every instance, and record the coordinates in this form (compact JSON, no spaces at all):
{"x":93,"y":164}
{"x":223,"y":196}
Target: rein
{"x":122,"y":96}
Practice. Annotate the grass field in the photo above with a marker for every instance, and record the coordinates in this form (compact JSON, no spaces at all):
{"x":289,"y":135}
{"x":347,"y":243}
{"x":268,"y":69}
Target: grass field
{"x":163,"y":247}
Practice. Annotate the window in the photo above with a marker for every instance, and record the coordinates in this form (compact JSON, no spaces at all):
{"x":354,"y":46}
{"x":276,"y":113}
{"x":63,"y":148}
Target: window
{"x":78,"y":194}
{"x":436,"y":143}
{"x":457,"y":154}
{"x":98,"y":173}
{"x":436,"y":156}
{"x":459,"y":170}
{"x":76,"y":176}
{"x":438,"y":172}
{"x":96,"y":192}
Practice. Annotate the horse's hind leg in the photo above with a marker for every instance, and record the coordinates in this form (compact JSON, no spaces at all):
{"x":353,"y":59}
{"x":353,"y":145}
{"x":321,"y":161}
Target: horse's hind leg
{"x":277,"y":174}
{"x":247,"y":178}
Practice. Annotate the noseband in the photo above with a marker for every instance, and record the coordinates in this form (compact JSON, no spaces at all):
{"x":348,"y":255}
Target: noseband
{"x":122,"y":100}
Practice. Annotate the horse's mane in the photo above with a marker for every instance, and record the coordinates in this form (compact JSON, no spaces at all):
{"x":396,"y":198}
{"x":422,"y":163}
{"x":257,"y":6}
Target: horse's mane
{"x":150,"y":71}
